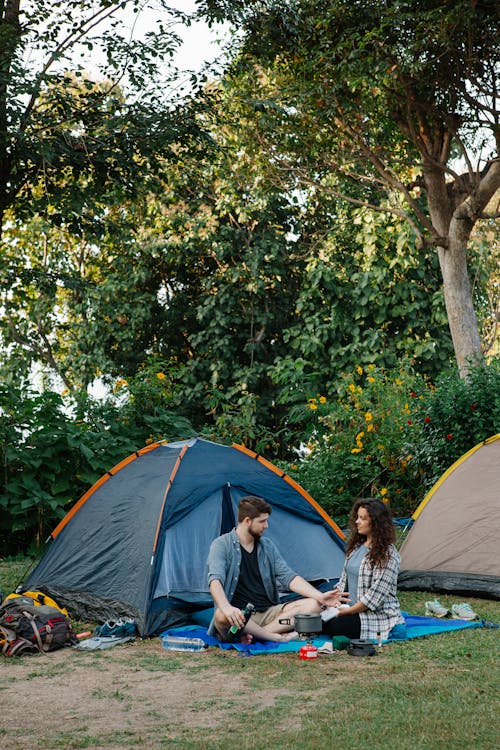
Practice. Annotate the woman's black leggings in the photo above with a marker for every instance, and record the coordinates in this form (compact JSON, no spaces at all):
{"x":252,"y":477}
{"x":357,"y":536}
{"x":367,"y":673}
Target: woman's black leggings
{"x":349,"y":625}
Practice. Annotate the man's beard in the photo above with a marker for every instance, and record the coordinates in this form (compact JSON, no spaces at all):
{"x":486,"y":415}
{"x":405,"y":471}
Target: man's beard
{"x":256,"y":535}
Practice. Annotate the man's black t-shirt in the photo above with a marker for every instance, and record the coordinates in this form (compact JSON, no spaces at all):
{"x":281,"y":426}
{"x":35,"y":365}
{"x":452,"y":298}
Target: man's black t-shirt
{"x":250,"y":587}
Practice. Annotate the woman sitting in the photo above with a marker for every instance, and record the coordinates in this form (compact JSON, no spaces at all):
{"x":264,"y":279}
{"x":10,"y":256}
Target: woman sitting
{"x":370,"y":576}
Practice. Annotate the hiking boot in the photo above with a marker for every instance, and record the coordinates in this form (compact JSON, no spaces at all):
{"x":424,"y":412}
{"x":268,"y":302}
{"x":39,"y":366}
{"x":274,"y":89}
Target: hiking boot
{"x":434,"y":608}
{"x":463,"y":611}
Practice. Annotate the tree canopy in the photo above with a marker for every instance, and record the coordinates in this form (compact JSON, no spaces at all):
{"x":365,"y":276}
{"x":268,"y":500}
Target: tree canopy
{"x":398,"y":98}
{"x":260,"y":236}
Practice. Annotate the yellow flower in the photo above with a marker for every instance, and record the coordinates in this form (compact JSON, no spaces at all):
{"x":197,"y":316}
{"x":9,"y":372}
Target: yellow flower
{"x":370,"y":428}
{"x":359,"y":435}
{"x":356,"y":450}
{"x":160,"y":375}
{"x":383,"y":491}
{"x":370,"y":367}
{"x":368,"y":416}
{"x":352,"y":387}
{"x":149,"y":441}
{"x":359,"y":370}
{"x":65,"y":392}
{"x":371,"y":379}
{"x":312,"y":405}
{"x":322,"y":399}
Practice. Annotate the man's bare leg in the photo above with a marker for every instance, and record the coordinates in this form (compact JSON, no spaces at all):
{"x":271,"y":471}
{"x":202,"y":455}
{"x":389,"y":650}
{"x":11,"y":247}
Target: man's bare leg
{"x":252,"y":630}
{"x":264,"y":633}
{"x":290,"y":609}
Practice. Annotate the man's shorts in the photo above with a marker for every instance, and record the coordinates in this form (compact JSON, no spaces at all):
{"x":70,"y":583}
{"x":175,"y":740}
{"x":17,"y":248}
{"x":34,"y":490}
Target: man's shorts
{"x":264,"y":618}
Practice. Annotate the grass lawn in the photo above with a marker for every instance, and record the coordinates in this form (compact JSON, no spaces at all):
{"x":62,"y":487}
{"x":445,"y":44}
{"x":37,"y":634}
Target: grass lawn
{"x":435,"y":693}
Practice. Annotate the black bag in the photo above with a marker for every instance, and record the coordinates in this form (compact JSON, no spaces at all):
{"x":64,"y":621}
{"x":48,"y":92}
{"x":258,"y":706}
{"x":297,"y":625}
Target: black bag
{"x":26,"y":627}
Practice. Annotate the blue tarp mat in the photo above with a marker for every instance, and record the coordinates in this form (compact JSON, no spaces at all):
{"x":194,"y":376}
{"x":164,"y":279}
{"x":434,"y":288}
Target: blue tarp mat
{"x":415,"y":627}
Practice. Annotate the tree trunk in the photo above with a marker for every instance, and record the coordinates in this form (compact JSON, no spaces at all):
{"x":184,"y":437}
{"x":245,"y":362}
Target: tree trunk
{"x":453,"y":219}
{"x":457,"y":290}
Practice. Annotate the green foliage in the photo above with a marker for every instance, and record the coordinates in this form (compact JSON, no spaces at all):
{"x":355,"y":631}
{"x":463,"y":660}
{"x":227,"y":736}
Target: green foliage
{"x":238,"y":417}
{"x":391,"y":434}
{"x":258,"y":278}
{"x":450,"y":418}
{"x":53,"y":449}
{"x":372,"y":102}
{"x":353,"y":446}
{"x":78,"y":152}
{"x":147,"y":406}
{"x":369,"y":296}
{"x":65,"y":140}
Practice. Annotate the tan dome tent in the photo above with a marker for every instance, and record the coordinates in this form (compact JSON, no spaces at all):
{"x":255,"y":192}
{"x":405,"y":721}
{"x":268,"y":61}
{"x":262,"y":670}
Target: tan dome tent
{"x":454,"y":545}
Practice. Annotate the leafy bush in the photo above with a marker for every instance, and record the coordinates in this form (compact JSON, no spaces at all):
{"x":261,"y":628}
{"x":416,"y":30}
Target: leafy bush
{"x":388,"y":434}
{"x":452,"y":417}
{"x":391,"y":434}
{"x":53,"y":448}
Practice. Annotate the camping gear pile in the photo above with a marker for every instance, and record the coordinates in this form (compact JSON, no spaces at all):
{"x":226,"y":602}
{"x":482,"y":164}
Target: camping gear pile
{"x":29,"y":625}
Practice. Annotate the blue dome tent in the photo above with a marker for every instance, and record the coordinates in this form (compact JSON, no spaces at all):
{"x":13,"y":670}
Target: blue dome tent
{"x":136,"y":543}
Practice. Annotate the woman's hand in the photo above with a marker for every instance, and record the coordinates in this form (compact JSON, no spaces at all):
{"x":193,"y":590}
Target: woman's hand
{"x":335,"y":598}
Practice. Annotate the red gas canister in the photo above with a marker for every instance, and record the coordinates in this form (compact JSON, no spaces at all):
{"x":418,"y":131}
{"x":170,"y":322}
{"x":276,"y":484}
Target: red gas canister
{"x":308,"y":652}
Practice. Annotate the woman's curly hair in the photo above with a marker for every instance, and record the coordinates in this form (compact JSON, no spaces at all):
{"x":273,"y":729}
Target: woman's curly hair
{"x":382,"y":532}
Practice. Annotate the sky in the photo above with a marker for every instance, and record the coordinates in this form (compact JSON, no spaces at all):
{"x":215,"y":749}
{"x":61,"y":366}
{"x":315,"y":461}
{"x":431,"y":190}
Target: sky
{"x":200,"y":42}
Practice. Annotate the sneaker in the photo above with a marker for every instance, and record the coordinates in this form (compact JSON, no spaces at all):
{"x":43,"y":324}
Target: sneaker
{"x":463,"y":611}
{"x":435,"y":609}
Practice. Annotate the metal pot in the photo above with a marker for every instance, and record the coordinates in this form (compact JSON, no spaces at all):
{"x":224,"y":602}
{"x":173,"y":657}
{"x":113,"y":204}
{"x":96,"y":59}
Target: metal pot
{"x":308,"y":624}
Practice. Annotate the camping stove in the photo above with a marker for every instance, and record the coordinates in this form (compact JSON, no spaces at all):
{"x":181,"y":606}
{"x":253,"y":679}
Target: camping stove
{"x":308,"y":626}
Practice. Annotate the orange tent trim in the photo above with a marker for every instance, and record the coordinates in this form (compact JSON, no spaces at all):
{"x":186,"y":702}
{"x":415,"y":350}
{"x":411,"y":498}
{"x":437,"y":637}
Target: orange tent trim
{"x":293,"y":484}
{"x":76,"y":507}
{"x":169,"y":484}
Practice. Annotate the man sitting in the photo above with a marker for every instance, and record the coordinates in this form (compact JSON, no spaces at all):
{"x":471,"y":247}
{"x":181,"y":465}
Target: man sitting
{"x":244,"y":567}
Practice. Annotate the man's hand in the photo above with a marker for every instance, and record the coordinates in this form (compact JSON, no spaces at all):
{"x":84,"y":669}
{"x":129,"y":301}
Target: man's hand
{"x":234,"y":616}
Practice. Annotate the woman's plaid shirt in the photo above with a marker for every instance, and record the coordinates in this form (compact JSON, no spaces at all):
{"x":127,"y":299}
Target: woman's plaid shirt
{"x":377,"y":590}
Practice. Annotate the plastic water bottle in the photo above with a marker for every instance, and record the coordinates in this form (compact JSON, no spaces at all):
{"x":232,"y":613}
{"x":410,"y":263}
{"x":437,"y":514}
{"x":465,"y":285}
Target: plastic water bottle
{"x":183,"y":643}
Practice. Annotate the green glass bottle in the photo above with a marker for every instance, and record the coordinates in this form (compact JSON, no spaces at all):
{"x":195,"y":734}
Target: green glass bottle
{"x":234,"y":631}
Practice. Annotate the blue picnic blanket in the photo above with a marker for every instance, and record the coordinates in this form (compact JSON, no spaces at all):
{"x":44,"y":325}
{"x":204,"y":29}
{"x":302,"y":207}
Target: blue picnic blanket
{"x":415,"y":627}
